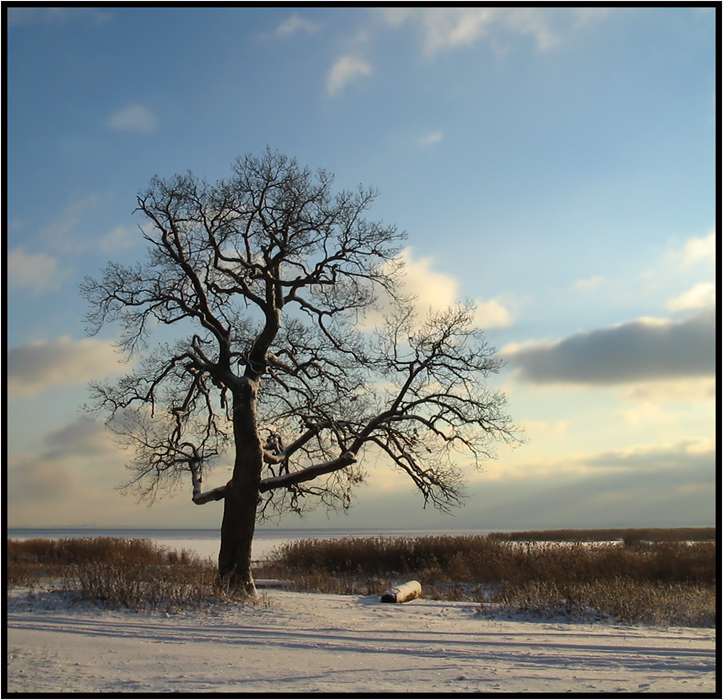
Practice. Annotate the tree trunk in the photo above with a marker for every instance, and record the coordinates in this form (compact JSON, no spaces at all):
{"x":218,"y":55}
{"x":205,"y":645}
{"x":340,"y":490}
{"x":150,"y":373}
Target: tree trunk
{"x":242,"y":495}
{"x":237,"y":534}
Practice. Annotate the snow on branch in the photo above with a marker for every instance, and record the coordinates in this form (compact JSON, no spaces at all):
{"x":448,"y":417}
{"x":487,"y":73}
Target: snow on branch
{"x":199,"y":498}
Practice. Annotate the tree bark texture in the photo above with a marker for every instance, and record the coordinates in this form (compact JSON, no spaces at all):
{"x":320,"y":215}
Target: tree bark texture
{"x":241,"y":495}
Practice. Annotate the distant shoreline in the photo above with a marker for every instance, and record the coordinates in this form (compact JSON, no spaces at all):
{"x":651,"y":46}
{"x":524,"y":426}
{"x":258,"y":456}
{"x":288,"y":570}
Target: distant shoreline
{"x":703,"y":533}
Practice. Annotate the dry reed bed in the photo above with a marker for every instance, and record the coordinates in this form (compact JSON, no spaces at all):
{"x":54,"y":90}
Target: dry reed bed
{"x":665,"y":582}
{"x":116,"y":572}
{"x":640,"y":582}
{"x":489,"y":559}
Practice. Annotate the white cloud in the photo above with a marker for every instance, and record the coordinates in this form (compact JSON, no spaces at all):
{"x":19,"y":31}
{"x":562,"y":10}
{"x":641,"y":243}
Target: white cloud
{"x":695,"y":251}
{"x":344,"y":70}
{"x":119,"y":238}
{"x":492,"y":314}
{"x":437,"y":291}
{"x":37,"y":272}
{"x":134,"y":118}
{"x":700,"y":296}
{"x":430,"y":138}
{"x":589,"y":285}
{"x":454,"y":27}
{"x":37,"y":366}
{"x":699,"y":249}
{"x":431,"y":289}
{"x":295,"y":24}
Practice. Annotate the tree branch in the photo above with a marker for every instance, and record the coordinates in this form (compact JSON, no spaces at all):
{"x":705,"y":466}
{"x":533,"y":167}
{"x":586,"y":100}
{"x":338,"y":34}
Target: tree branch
{"x":198,"y":497}
{"x":307,"y":474}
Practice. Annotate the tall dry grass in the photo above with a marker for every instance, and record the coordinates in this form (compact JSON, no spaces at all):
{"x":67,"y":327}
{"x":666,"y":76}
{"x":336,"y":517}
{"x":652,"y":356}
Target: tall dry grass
{"x":623,"y":600}
{"x":116,"y":572}
{"x":635,"y":582}
{"x":492,"y":560}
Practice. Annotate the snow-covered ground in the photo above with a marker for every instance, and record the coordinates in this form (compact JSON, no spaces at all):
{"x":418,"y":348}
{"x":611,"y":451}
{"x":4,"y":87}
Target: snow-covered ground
{"x":304,"y":643}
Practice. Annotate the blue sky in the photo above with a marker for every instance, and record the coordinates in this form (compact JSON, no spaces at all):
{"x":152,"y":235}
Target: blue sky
{"x":557,"y":165}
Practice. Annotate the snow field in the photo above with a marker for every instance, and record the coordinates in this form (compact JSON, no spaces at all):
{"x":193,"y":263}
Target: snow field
{"x":302,"y":642}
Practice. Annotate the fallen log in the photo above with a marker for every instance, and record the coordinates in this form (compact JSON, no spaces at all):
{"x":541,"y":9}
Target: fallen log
{"x":403,"y":592}
{"x":272,"y":583}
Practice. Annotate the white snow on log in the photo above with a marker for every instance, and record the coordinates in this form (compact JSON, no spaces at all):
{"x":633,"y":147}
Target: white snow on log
{"x":272,"y":583}
{"x":403,"y":592}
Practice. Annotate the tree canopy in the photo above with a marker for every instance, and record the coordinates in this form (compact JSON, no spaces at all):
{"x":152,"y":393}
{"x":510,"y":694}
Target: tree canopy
{"x":250,"y":325}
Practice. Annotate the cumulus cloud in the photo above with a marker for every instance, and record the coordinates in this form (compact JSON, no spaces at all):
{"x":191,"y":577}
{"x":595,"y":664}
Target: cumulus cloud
{"x":492,"y":314}
{"x":345,"y":70}
{"x":700,"y":296}
{"x":432,"y":289}
{"x":695,"y":251}
{"x":119,"y":238}
{"x":295,"y":24}
{"x":37,"y":366}
{"x":641,"y":350}
{"x":36,"y":272}
{"x":435,"y":291}
{"x":134,"y":118}
{"x":454,"y":27}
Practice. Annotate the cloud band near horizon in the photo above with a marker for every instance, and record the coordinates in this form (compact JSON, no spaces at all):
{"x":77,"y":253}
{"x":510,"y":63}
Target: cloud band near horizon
{"x":640,"y":350}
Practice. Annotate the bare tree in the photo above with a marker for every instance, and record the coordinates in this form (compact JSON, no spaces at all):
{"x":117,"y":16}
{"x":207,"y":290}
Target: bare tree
{"x":266,"y":278}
